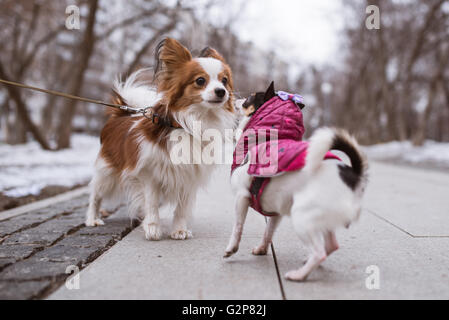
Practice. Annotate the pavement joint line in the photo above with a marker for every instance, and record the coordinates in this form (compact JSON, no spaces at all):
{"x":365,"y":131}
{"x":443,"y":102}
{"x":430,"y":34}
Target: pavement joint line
{"x":57,"y":281}
{"x":35,"y":250}
{"x":281,"y":285}
{"x":437,"y":236}
{"x":7,"y":214}
{"x":276,"y":266}
{"x":36,"y":224}
{"x":93,"y":256}
{"x":401,"y":229}
{"x":51,"y":282}
{"x":426,"y":276}
{"x":389,"y":222}
{"x":43,"y":247}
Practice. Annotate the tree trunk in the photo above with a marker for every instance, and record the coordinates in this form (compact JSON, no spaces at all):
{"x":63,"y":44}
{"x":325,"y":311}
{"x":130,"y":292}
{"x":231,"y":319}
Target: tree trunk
{"x":86,"y":47}
{"x":23,"y":114}
{"x":420,"y":133}
{"x":47,"y":116}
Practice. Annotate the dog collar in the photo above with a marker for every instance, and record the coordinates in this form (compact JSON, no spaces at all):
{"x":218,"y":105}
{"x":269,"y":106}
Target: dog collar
{"x":158,"y":119}
{"x":164,"y":121}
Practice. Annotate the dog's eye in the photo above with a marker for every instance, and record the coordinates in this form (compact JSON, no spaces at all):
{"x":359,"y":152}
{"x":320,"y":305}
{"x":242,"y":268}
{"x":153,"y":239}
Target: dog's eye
{"x":224,"y":81}
{"x":246,"y":103}
{"x":200,"y":81}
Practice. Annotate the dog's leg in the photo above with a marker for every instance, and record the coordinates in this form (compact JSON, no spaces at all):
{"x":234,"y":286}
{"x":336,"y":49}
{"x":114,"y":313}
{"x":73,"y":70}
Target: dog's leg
{"x":241,"y":211}
{"x":272,"y":223}
{"x":93,"y":215}
{"x":317,"y":256}
{"x":182,"y":214}
{"x":151,"y":222}
{"x":330,"y":242}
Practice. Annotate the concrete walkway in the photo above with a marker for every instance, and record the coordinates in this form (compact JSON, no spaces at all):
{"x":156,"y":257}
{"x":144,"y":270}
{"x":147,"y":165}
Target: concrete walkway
{"x":403,"y":233}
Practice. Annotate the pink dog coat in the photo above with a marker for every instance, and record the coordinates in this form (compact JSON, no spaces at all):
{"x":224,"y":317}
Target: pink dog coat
{"x":273,"y":137}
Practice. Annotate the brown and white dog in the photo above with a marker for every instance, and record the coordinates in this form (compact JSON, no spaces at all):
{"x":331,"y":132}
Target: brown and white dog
{"x":135,"y":155}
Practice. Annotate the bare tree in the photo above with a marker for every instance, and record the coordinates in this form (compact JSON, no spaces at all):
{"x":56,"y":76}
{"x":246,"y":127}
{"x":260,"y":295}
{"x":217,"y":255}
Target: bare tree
{"x":17,"y":60}
{"x":393,"y":84}
{"x":86,"y":49}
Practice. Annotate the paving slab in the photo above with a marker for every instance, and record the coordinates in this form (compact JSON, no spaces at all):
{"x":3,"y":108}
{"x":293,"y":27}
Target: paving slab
{"x":192,"y":269}
{"x":35,"y":217}
{"x":413,"y":199}
{"x":22,"y":290}
{"x":37,"y":247}
{"x":386,"y":237}
{"x":169,"y":269}
{"x":64,"y":198}
{"x":410,"y":267}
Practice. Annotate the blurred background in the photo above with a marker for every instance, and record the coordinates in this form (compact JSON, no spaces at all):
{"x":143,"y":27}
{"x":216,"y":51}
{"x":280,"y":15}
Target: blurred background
{"x":388,"y":86}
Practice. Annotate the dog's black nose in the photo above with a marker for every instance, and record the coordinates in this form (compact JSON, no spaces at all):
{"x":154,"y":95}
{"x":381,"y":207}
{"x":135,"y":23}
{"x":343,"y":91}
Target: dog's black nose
{"x":220,"y":92}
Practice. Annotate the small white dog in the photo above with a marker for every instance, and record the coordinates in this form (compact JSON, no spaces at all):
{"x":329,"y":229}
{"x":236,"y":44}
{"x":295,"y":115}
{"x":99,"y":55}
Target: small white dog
{"x":319,"y":198}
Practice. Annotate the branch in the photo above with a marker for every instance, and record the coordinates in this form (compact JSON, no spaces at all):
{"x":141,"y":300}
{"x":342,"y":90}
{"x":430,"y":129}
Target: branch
{"x":149,"y":44}
{"x":86,"y":48}
{"x":421,"y":36}
{"x":33,"y":52}
{"x":22,"y":111}
{"x":32,"y":26}
{"x":129,"y":21}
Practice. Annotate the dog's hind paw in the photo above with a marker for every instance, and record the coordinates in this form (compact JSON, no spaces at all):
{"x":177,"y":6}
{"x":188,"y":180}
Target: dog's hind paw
{"x":94,"y":222}
{"x":230,"y":251}
{"x":181,"y":235}
{"x":260,"y":251}
{"x":104,"y":213}
{"x":227,"y":254}
{"x":296,"y":275}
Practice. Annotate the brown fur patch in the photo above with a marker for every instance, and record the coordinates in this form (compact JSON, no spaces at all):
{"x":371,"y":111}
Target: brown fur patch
{"x":118,"y":148}
{"x":209,"y":52}
{"x":120,"y":145}
{"x":230,"y":86}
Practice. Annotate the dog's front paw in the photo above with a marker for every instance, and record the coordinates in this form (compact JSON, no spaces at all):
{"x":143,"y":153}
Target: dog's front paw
{"x":181,"y":234}
{"x":152,"y":231}
{"x":260,"y":251}
{"x":296,"y":275}
{"x":94,"y":222}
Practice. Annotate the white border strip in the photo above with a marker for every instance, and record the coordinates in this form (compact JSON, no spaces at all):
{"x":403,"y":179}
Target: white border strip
{"x":43,"y":203}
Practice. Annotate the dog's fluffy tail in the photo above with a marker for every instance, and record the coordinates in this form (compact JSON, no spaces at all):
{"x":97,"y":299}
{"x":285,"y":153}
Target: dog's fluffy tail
{"x":133,"y":92}
{"x":325,"y":139}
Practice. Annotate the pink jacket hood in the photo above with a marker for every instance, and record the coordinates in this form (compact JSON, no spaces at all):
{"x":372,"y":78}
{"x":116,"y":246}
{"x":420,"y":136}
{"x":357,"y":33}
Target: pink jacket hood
{"x":274,"y":117}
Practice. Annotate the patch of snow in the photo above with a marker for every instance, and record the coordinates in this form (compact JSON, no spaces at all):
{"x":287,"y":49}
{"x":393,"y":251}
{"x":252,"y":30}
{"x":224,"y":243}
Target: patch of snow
{"x":26,"y":169}
{"x":431,"y":152}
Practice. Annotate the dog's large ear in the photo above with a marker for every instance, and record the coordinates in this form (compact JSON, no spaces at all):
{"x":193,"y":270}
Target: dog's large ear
{"x":170,"y":54}
{"x":209,"y":52}
{"x":270,"y":93}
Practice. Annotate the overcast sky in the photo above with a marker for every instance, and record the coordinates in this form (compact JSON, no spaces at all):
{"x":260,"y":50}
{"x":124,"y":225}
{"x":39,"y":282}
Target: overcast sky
{"x":303,"y":30}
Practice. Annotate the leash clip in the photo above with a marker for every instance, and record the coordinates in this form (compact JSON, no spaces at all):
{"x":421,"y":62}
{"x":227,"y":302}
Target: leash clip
{"x":147,"y":114}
